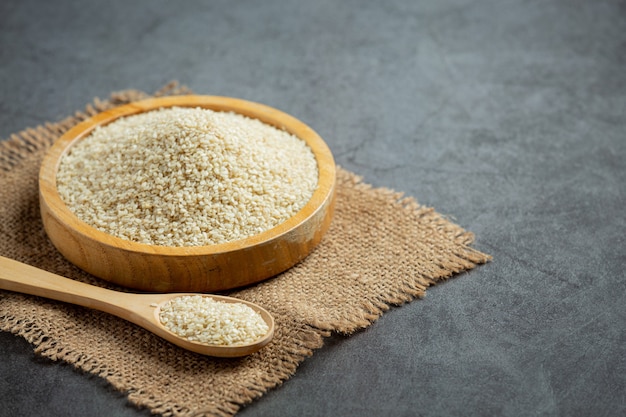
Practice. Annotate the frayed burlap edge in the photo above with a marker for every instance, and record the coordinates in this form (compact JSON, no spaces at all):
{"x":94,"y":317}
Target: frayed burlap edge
{"x":313,"y":330}
{"x":306,"y":342}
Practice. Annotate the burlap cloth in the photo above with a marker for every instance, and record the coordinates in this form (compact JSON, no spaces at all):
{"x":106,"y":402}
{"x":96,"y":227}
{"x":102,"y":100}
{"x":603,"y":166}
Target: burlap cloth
{"x":381,"y":250}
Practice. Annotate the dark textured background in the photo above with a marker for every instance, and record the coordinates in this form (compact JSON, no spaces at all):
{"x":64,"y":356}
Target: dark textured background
{"x":508,"y":116}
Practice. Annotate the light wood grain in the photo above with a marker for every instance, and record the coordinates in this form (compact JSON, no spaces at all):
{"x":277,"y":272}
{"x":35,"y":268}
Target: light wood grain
{"x":197,"y":269}
{"x":141,"y":309}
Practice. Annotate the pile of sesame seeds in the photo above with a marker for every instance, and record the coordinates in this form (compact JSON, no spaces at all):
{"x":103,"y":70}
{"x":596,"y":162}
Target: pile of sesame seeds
{"x":204,"y":320}
{"x":187,"y":177}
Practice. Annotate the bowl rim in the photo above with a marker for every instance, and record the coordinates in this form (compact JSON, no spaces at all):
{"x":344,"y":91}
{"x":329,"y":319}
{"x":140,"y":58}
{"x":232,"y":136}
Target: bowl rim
{"x":269,"y":115}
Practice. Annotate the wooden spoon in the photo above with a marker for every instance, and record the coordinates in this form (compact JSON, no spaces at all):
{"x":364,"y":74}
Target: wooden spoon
{"x":141,"y":309}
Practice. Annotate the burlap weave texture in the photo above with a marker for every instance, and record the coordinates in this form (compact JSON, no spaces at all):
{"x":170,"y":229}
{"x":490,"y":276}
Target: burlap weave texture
{"x":381,"y":250}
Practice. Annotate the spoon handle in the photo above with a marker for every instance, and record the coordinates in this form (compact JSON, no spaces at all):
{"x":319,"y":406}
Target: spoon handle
{"x":19,"y":277}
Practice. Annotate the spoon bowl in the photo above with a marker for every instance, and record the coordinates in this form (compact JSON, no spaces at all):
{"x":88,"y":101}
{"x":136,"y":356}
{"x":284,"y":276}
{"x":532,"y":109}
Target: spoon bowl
{"x":140,"y":309}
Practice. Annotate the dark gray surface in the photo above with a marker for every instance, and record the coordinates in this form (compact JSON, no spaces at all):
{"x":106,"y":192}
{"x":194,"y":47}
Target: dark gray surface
{"x":509,"y":116}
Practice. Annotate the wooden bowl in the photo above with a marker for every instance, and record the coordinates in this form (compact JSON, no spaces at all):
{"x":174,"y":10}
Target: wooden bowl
{"x":198,"y":268}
